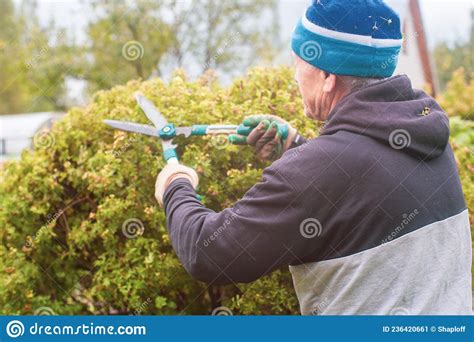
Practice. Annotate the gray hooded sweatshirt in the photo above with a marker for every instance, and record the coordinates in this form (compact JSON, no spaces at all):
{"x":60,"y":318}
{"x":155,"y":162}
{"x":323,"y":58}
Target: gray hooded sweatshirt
{"x":369,"y":216}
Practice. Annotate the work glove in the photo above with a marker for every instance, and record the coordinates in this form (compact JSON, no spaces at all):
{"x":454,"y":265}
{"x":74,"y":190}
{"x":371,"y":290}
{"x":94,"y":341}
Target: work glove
{"x":170,"y":173}
{"x":266,"y":137}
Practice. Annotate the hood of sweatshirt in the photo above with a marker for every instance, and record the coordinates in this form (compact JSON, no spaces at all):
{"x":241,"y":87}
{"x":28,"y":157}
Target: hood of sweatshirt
{"x":394,"y":113}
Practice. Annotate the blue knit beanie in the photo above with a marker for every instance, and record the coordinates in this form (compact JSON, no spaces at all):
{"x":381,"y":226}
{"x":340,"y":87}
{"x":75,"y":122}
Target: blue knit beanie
{"x":349,"y":37}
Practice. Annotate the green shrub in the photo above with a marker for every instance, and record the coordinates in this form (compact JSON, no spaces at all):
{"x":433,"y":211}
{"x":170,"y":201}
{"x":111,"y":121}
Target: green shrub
{"x":462,"y":140}
{"x":458,"y":98}
{"x":80,"y":230}
{"x":68,"y":207}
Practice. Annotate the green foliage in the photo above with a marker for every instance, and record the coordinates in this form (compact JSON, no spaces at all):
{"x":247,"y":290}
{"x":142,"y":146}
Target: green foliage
{"x":271,"y":294}
{"x":211,"y":41}
{"x":462,"y":140}
{"x":458,"y":99}
{"x":138,"y":39}
{"x":126,"y":41}
{"x":450,"y":57}
{"x":64,"y":207}
{"x":34,"y":61}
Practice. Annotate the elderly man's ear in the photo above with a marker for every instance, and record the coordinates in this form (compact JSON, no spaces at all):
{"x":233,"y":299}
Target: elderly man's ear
{"x":329,"y":82}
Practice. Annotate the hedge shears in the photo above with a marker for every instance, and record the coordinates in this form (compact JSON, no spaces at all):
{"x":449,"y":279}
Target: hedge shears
{"x":167,"y":131}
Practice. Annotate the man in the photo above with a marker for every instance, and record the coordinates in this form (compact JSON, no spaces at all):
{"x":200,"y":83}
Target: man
{"x":370,"y":215}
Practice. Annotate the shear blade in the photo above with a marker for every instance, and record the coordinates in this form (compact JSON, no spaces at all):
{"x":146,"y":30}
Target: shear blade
{"x":133,"y":127}
{"x":152,"y":113}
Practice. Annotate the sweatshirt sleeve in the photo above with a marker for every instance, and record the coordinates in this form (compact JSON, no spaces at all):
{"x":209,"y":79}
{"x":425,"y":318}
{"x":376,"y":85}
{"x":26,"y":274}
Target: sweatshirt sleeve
{"x":239,"y":244}
{"x":299,"y":140}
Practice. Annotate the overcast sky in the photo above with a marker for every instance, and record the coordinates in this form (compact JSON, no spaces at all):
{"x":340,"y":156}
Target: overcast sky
{"x":444,"y":19}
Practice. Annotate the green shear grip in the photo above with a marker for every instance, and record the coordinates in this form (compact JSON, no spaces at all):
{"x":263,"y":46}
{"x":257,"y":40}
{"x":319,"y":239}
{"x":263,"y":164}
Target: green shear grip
{"x":245,"y":130}
{"x":199,"y":129}
{"x":237,"y":139}
{"x":170,"y":153}
{"x":283,"y":129}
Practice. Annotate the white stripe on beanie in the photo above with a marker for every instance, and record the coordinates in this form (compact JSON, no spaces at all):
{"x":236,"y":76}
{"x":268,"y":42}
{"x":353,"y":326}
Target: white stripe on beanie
{"x":350,"y":37}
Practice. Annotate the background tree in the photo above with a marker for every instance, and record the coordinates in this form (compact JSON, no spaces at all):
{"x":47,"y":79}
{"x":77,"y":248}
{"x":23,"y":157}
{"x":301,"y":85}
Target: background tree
{"x":126,"y":40}
{"x":129,"y":40}
{"x":11,"y":23}
{"x":223,"y":35}
{"x":450,"y":57}
{"x":34,"y":61}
